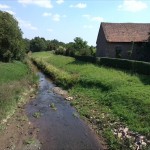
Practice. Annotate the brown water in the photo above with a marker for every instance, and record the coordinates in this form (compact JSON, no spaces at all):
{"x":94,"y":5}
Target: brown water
{"x":59,"y":129}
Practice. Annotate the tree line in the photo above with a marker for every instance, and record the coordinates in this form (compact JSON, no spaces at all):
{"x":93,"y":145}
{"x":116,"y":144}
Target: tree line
{"x":14,"y":47}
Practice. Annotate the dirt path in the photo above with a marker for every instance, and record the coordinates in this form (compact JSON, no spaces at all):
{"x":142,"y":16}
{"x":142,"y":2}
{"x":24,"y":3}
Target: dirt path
{"x":52,"y":124}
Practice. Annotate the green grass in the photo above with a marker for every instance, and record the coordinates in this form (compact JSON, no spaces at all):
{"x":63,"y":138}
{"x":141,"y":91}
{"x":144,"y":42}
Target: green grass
{"x":12,"y":71}
{"x":105,"y":96}
{"x":14,"y":79}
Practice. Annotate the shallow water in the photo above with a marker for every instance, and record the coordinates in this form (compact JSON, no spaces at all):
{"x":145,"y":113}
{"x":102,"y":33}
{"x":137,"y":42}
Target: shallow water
{"x":59,"y":129}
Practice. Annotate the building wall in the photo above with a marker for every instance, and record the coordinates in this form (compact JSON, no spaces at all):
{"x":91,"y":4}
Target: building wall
{"x":101,"y":44}
{"x":125,"y":47}
{"x":108,"y":49}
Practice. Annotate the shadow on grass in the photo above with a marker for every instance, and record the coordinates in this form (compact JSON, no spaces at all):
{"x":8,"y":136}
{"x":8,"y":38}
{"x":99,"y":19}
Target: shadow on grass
{"x":145,"y":79}
{"x":78,"y":62}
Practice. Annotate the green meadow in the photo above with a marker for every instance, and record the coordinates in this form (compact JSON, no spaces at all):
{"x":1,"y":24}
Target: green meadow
{"x":107,"y":97}
{"x":14,"y":79}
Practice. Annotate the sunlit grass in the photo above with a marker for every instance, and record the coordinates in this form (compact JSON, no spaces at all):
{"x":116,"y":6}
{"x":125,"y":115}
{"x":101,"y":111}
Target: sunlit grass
{"x":118,"y":95}
{"x":14,"y":79}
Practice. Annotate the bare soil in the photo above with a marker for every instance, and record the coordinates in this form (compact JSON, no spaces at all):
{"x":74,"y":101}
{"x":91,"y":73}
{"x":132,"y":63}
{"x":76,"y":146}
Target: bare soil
{"x":18,"y":133}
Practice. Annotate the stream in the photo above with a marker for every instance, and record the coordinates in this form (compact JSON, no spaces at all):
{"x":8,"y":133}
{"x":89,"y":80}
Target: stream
{"x":60,"y":127}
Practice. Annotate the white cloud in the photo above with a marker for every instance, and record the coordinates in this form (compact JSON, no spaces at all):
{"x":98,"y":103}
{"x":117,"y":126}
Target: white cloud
{"x":26,"y":24}
{"x":93,"y":18}
{"x":41,"y":3}
{"x":56,"y":17}
{"x":10,"y":11}
{"x":79,"y":5}
{"x":47,"y":14}
{"x":4,"y":6}
{"x":132,"y":5}
{"x":99,"y":19}
{"x":60,"y":1}
{"x":50,"y":30}
{"x":88,"y":26}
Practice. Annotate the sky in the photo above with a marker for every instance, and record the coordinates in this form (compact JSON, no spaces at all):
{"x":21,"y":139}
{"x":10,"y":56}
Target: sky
{"x":66,"y":19}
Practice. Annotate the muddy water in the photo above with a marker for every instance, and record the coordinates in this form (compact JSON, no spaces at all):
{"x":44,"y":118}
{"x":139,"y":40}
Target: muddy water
{"x":60,"y":128}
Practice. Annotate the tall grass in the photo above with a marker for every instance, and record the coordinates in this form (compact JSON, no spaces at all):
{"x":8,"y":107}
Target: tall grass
{"x":106,"y":95}
{"x":14,"y":79}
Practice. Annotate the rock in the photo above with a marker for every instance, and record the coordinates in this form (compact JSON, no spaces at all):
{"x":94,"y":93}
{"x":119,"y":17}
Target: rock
{"x":143,"y":143}
{"x":119,"y":135}
{"x":69,"y":98}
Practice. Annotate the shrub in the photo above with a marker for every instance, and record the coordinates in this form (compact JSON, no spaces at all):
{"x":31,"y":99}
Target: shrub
{"x":135,"y":66}
{"x":86,"y":58}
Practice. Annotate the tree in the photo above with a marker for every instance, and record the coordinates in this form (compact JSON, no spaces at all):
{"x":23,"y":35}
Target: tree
{"x":38,"y":44}
{"x":11,"y":42}
{"x":26,"y":45}
{"x":70,"y":49}
{"x":80,"y":46}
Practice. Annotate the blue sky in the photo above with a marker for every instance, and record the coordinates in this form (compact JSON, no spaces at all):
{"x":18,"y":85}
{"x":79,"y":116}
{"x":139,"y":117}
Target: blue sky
{"x":66,"y":19}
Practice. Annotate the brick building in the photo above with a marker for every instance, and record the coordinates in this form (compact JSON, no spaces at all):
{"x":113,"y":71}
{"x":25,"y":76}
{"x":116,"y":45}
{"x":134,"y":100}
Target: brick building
{"x":122,"y":36}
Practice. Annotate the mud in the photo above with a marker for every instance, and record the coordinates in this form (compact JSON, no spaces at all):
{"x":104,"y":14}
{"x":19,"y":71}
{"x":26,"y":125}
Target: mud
{"x":60,"y":127}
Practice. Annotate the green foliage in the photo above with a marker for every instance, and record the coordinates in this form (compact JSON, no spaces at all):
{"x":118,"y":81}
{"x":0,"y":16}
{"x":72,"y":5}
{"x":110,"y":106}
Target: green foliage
{"x":60,"y":51}
{"x":26,"y":45}
{"x":134,"y":66}
{"x":38,"y":44}
{"x":11,"y":43}
{"x":37,"y":115}
{"x":105,"y":96}
{"x":54,"y":44}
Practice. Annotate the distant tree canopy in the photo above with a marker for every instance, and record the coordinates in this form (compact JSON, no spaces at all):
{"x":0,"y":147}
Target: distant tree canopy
{"x":38,"y":44}
{"x":80,"y":47}
{"x":26,"y":45}
{"x":11,"y":42}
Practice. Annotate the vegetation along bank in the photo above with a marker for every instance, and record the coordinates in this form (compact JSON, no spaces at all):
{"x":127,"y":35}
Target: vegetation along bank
{"x":110,"y":99}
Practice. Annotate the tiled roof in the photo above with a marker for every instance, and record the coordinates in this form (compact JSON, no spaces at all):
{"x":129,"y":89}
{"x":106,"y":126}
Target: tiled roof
{"x":126,"y":32}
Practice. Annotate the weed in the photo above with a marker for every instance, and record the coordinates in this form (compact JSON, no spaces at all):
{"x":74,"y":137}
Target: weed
{"x":52,"y":105}
{"x":2,"y":128}
{"x":75,"y":115}
{"x":37,"y":115}
{"x":29,"y":141}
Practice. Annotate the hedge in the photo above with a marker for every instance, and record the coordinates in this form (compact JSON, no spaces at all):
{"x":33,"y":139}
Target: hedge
{"x":135,"y":66}
{"x":90,"y":59}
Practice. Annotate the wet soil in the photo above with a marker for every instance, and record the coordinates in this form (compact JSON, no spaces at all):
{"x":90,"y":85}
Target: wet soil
{"x":18,"y":133}
{"x":60,"y":127}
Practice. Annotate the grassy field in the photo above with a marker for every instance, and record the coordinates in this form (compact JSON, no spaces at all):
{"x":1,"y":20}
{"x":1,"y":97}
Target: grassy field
{"x":107,"y":97}
{"x":14,"y":79}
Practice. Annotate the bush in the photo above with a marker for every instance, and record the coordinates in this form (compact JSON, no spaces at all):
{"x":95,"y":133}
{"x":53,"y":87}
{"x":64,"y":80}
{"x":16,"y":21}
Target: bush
{"x":60,"y":51}
{"x":90,"y":59}
{"x":135,"y":66}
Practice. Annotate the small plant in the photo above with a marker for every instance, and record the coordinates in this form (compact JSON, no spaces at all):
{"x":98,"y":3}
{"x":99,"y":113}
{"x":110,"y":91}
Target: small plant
{"x":37,"y":115}
{"x":29,"y":141}
{"x":2,"y":127}
{"x":75,"y":115}
{"x":52,"y":105}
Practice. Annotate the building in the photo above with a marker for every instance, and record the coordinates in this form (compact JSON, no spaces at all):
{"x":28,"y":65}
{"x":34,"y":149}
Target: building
{"x":122,"y":39}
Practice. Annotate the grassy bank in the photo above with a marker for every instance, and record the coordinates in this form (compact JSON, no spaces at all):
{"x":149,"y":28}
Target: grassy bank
{"x":15,"y":78}
{"x":107,"y":97}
